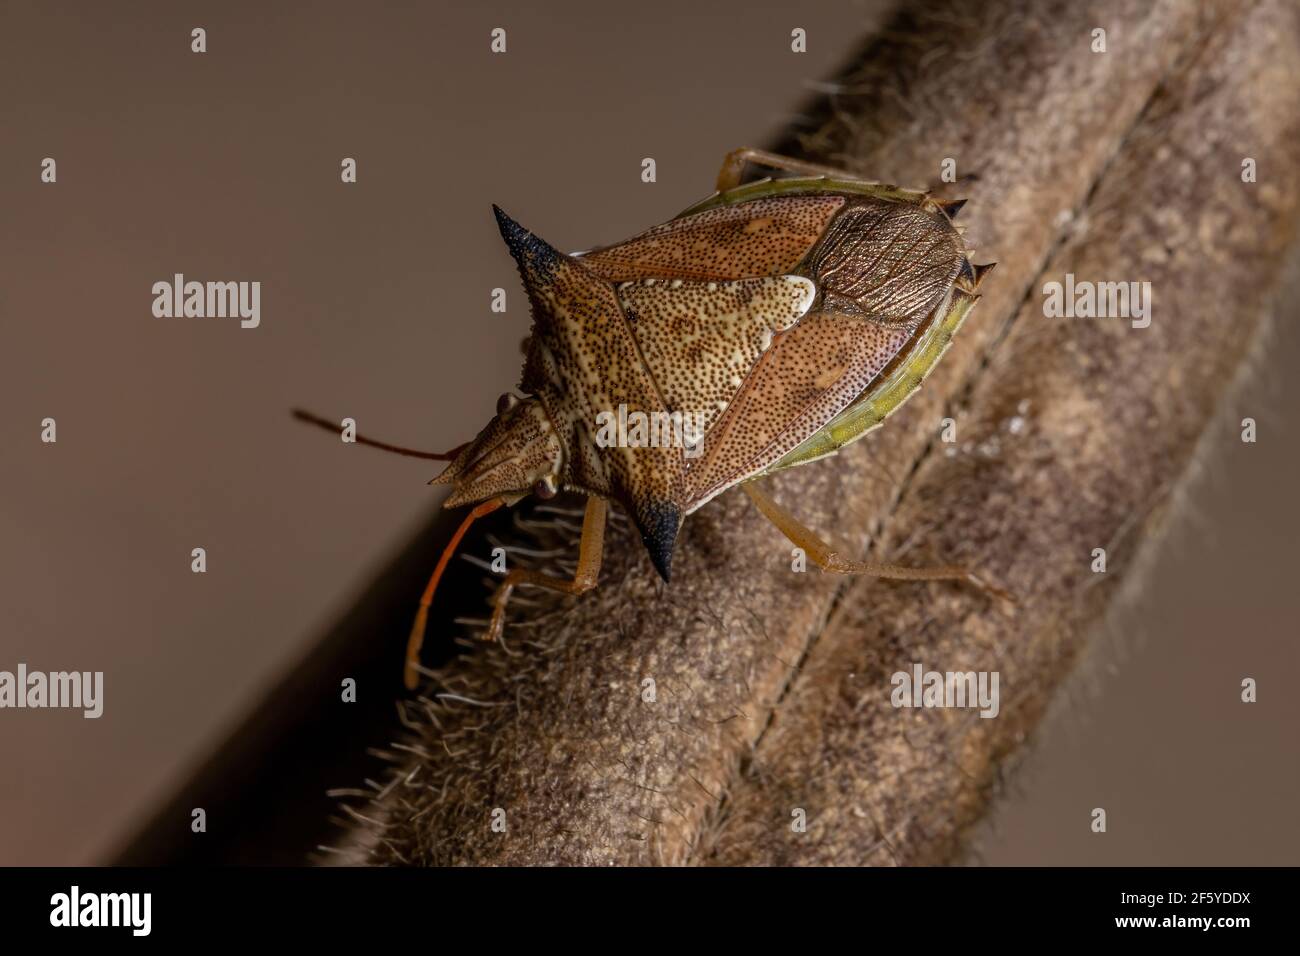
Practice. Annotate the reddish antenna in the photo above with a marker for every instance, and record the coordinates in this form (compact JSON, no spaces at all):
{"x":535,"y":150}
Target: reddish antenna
{"x":309,"y":418}
{"x":411,"y":675}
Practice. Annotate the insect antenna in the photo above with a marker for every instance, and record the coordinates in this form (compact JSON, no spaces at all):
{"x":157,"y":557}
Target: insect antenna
{"x":309,"y":418}
{"x":411,"y":675}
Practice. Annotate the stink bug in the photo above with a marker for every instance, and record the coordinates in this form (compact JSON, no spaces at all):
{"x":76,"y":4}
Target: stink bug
{"x":784,"y":318}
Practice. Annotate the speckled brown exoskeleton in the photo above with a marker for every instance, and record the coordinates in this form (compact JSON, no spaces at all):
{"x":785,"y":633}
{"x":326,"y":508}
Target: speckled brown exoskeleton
{"x":782,"y":318}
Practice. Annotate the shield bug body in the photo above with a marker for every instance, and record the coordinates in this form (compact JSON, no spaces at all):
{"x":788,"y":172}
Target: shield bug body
{"x":765,"y":327}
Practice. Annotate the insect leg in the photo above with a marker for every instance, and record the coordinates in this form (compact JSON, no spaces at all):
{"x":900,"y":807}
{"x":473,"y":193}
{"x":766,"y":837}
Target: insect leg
{"x":733,"y":166}
{"x":591,"y":547}
{"x":825,"y":557}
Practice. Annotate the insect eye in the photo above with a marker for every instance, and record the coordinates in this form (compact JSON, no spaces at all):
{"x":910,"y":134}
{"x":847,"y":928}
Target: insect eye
{"x":505,"y":403}
{"x":545,"y":487}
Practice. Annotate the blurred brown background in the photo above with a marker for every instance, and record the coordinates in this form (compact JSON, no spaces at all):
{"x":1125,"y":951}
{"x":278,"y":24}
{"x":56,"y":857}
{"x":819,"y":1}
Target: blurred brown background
{"x":174,"y":433}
